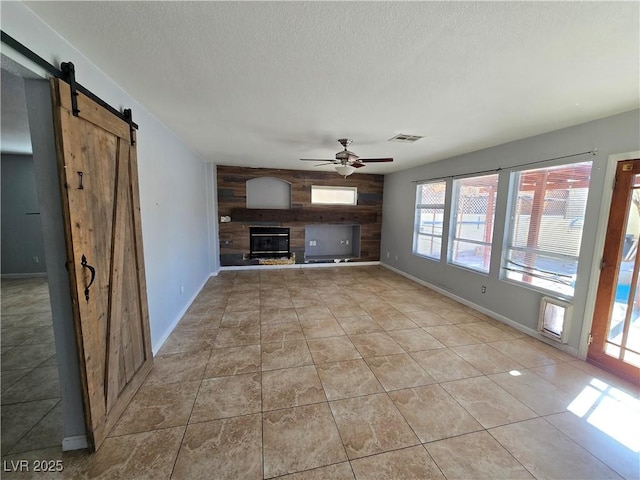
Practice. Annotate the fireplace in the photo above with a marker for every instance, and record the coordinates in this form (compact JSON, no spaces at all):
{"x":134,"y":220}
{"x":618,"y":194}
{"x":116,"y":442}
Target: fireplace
{"x":269,"y":242}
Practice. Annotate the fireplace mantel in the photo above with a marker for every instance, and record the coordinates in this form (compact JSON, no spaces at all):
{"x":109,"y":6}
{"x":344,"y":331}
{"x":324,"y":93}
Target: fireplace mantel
{"x":338,"y":214}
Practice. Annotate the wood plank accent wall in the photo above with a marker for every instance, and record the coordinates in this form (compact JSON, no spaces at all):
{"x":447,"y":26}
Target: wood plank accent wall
{"x":234,"y":235}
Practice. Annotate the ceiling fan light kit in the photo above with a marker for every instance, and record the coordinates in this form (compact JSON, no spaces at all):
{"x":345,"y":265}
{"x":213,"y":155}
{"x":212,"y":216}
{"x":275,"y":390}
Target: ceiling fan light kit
{"x":346,"y":162}
{"x":345,"y":170}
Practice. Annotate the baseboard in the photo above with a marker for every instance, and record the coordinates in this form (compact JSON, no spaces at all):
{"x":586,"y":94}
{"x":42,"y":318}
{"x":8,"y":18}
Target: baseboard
{"x":158,"y":345}
{"x":300,"y":265}
{"x":8,"y":276}
{"x":77,"y":442}
{"x":490,"y":313}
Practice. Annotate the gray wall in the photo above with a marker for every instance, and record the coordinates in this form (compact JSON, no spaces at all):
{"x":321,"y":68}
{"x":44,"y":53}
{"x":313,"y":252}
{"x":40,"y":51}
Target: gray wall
{"x":22,"y":243}
{"x":616,"y":134}
{"x":332,"y":240}
{"x":268,"y":192}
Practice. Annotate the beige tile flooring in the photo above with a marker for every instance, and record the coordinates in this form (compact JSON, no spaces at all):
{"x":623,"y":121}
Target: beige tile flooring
{"x":343,"y":373}
{"x":31,"y":407}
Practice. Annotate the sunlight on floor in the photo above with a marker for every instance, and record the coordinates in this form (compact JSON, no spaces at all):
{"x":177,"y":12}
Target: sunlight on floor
{"x":610,"y":410}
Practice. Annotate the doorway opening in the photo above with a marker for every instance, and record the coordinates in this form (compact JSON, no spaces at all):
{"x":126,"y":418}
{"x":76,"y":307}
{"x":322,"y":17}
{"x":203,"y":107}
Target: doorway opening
{"x":615,"y":332}
{"x":32,"y":416}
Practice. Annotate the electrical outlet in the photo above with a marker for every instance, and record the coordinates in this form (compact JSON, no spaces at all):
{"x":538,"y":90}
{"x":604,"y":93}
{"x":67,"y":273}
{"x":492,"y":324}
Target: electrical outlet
{"x":181,"y":289}
{"x":387,"y":254}
{"x":347,"y":242}
{"x":396,"y":257}
{"x":36,"y":260}
{"x":484,"y":289}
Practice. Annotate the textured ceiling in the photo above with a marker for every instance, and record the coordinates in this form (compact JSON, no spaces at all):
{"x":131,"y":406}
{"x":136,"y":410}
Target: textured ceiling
{"x":267,"y":83}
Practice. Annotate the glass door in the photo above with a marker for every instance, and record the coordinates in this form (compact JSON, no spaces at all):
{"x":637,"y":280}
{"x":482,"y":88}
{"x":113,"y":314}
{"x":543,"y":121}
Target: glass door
{"x":615,"y":333}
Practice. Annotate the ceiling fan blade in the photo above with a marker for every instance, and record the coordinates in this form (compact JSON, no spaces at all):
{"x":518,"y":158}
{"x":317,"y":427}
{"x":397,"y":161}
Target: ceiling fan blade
{"x":374,"y":160}
{"x":357,"y":164}
{"x":321,"y":164}
{"x":317,"y":160}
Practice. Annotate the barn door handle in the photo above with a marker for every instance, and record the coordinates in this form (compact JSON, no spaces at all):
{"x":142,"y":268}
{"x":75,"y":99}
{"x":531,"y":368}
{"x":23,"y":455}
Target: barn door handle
{"x":93,"y":276}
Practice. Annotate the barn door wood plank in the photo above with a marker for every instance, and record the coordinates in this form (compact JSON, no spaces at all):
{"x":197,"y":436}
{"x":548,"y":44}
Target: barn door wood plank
{"x":118,"y":237}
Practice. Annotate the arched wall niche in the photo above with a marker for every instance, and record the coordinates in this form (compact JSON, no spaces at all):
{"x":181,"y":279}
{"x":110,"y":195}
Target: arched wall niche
{"x":268,"y":192}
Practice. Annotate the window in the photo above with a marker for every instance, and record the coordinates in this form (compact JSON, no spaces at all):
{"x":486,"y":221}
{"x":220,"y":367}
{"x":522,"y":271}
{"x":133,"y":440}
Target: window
{"x":545,"y":229}
{"x":334,"y":195}
{"x":472,"y":214}
{"x":427,"y":232}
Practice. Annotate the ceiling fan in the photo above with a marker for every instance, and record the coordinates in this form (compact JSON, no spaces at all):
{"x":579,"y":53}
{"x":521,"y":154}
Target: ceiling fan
{"x":346,"y":162}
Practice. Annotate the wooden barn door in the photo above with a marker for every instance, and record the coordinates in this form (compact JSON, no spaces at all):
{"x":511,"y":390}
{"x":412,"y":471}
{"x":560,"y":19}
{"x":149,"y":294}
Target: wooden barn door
{"x":99,"y":183}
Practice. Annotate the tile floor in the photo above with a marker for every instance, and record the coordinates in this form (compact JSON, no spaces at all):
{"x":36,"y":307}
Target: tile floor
{"x":31,"y":407}
{"x":344,"y":373}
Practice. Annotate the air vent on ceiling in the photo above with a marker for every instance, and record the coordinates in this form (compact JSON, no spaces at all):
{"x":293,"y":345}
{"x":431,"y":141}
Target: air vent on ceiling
{"x":403,"y":137}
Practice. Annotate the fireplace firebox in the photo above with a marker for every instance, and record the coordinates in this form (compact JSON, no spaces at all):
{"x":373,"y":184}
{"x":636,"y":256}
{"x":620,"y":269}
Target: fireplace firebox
{"x":269,"y":242}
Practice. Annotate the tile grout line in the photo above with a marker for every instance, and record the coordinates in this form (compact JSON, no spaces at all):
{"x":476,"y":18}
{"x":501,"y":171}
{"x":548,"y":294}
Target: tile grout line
{"x":195,"y":398}
{"x":29,"y":431}
{"x":335,"y":423}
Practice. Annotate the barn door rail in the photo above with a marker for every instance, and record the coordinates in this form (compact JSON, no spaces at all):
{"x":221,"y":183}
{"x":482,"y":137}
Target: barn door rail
{"x":66,"y":72}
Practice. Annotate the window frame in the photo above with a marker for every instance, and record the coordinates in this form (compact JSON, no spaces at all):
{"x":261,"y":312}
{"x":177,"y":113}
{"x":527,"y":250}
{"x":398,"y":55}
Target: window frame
{"x":335,"y":188}
{"x":416,"y":222}
{"x":453,"y":223}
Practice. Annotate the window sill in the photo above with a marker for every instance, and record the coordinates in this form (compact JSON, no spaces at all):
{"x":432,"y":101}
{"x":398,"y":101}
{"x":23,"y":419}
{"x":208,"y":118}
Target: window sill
{"x":540,"y":290}
{"x":426,"y":257}
{"x":468,"y":269}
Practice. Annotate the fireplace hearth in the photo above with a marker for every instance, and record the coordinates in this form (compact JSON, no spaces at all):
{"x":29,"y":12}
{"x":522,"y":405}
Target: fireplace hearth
{"x":269,"y":242}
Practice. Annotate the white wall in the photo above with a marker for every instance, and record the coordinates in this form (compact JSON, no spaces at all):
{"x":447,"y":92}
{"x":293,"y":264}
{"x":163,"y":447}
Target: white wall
{"x":176,"y":188}
{"x":616,"y":134}
{"x":173,"y":186}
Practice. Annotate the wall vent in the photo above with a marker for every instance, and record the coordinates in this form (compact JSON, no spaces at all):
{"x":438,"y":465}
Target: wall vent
{"x":405,"y":138}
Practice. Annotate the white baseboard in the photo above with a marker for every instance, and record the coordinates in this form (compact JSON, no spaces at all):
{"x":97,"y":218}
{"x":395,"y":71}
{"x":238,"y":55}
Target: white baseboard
{"x":77,"y":442}
{"x":158,"y":345}
{"x":496,"y":316}
{"x":8,"y":276}
{"x":300,"y":265}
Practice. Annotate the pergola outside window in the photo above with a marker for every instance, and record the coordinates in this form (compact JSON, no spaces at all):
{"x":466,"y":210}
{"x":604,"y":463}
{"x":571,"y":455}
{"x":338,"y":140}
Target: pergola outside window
{"x":545,"y":226}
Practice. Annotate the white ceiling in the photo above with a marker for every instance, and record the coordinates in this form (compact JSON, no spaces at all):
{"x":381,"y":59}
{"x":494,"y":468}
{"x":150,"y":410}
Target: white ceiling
{"x":266,"y":83}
